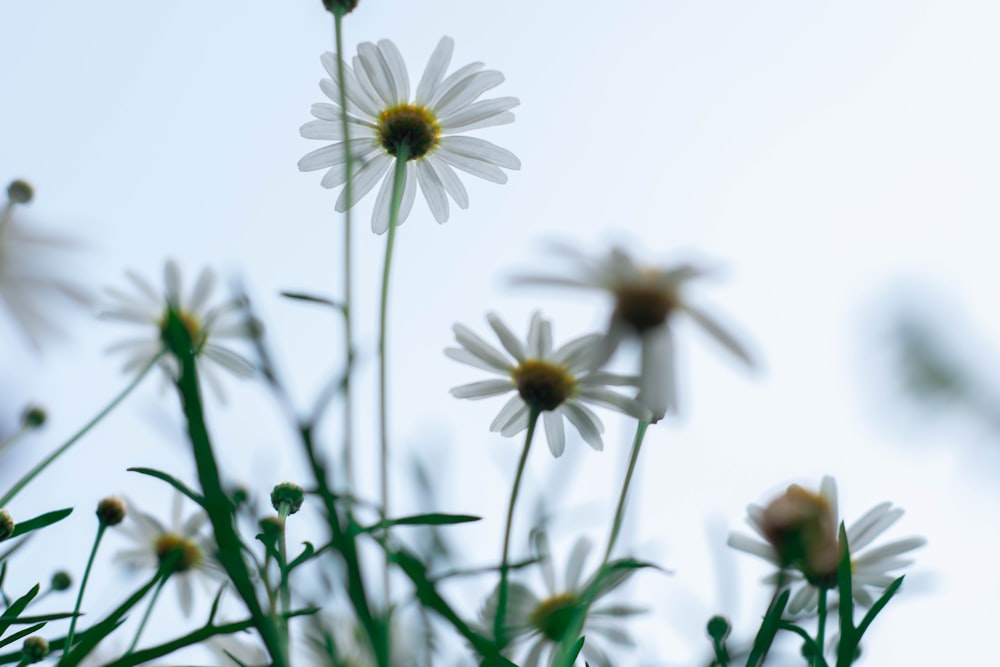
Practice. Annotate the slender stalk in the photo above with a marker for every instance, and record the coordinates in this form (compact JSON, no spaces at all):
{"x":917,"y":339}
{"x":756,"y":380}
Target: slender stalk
{"x":284,"y":593}
{"x":821,"y":628}
{"x":145,"y":616}
{"x":616,"y":526}
{"x":83,"y":585}
{"x":24,"y":481}
{"x":498,"y":621}
{"x":14,"y":437}
{"x":348,"y":271}
{"x":399,"y":178}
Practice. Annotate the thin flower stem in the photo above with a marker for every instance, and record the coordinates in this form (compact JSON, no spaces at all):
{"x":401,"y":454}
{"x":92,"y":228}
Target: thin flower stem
{"x":24,"y":481}
{"x":283,"y":590}
{"x":348,"y":322}
{"x":83,"y":585}
{"x":821,"y":629}
{"x":498,"y":621}
{"x":399,"y":178}
{"x":14,"y":437}
{"x":145,"y":616}
{"x":616,"y":526}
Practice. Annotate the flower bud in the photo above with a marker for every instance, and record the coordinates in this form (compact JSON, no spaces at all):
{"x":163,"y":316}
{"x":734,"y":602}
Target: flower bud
{"x":271,"y":526}
{"x":718,"y":628}
{"x":287,"y":497}
{"x":111,"y":511}
{"x":6,"y":524}
{"x":33,"y":416}
{"x":341,"y":7}
{"x":35,"y":648}
{"x":20,"y":192}
{"x":61,"y":581}
{"x":801,"y":527}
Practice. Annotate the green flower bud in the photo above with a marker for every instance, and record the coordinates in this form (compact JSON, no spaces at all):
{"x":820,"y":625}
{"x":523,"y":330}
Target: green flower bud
{"x":111,"y":511}
{"x":20,"y":192}
{"x":6,"y":524}
{"x":718,"y":628}
{"x":287,"y":497}
{"x":271,"y":526}
{"x":61,"y":581}
{"x":33,"y":416}
{"x":35,"y":648}
{"x":341,"y":7}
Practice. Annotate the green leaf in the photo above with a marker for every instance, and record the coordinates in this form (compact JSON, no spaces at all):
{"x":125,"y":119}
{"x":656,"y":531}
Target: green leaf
{"x":768,"y":629}
{"x":172,"y":481}
{"x":435,"y":519}
{"x":14,"y":610}
{"x":878,"y":607}
{"x":10,"y":639}
{"x":308,"y":552}
{"x":845,"y":606}
{"x":42,"y":521}
{"x":44,"y":618}
{"x":312,"y":298}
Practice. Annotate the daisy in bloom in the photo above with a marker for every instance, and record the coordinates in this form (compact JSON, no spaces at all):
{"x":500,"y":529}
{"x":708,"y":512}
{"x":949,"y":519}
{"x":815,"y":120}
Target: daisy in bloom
{"x":556,"y":383}
{"x":546,"y":619}
{"x":29,"y":284}
{"x":183,"y":540}
{"x":382,"y":119}
{"x":871,"y":568}
{"x":205,"y":324}
{"x":646,"y":300}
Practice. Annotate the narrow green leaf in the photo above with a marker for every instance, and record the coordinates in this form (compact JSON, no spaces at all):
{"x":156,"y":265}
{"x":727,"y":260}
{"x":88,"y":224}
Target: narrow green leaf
{"x":10,"y":639}
{"x":14,"y":610}
{"x":308,"y":552}
{"x":768,"y":629}
{"x":174,"y":482}
{"x":312,"y":298}
{"x":435,"y":519}
{"x":845,"y":606}
{"x":42,"y":521}
{"x":878,"y":607}
{"x":44,"y":618}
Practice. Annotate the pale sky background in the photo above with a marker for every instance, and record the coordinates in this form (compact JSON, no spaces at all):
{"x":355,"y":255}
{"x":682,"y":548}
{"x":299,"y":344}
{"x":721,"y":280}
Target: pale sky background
{"x":829,"y":158}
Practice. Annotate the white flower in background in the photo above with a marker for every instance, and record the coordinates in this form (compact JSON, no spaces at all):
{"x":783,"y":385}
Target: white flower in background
{"x":546,"y":619}
{"x":30,"y":287}
{"x":382,"y":118}
{"x":205,"y":324}
{"x":557,"y":383}
{"x":336,"y":639}
{"x":237,"y":650}
{"x":183,"y":540}
{"x":646,"y":299}
{"x":871,"y":568}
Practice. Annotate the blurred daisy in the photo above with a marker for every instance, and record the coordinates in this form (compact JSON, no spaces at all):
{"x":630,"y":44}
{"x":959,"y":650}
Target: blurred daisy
{"x":30,"y":288}
{"x":205,"y":324}
{"x":557,"y":383}
{"x":871,"y":568}
{"x":336,"y":639}
{"x":237,"y":650}
{"x":183,"y":540}
{"x":646,"y":299}
{"x":381,"y":119}
{"x":546,"y":619}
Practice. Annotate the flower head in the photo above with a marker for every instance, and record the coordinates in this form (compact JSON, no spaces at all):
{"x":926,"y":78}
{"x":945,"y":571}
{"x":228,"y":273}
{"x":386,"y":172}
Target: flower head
{"x":547,"y":619}
{"x":800,"y":529}
{"x":204,"y":324}
{"x":646,"y":300}
{"x":383,"y":120}
{"x":182,"y":544}
{"x":554,"y":383}
{"x":30,"y":286}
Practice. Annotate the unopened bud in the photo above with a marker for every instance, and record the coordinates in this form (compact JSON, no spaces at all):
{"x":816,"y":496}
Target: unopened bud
{"x":33,"y":416}
{"x":718,"y":628}
{"x":288,"y":497}
{"x":35,"y":648}
{"x":61,"y":581}
{"x":801,"y":527}
{"x":340,"y":6}
{"x":6,"y":524}
{"x":111,"y":511}
{"x":20,"y":192}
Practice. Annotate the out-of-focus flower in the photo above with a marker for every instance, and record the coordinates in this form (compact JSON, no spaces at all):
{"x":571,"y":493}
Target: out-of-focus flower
{"x":808,"y":552}
{"x":557,"y":383}
{"x":204,"y":324}
{"x":546,"y":619}
{"x":237,"y":650}
{"x":646,"y":300}
{"x":382,"y":119}
{"x":30,"y":286}
{"x":335,"y":639}
{"x":183,"y":542}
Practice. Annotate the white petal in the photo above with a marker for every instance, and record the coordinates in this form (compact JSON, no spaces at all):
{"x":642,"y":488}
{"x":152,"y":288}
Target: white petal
{"x":202,"y":291}
{"x":510,"y":408}
{"x":172,"y":280}
{"x":719,"y":333}
{"x":609,"y":399}
{"x":446,"y":85}
{"x":749,"y":545}
{"x":479,"y":347}
{"x":466,"y":91}
{"x":434,"y":72}
{"x":478,"y":168}
{"x":482,"y":389}
{"x":433,"y":190}
{"x":477,"y":112}
{"x":555,"y":432}
{"x":576,"y":354}
{"x":515,"y":424}
{"x":505,"y":118}
{"x":377,"y":71}
{"x":805,"y":598}
{"x":873,"y":557}
{"x":872,"y":524}
{"x":585,"y":421}
{"x":657,"y":386}
{"x":507,"y":337}
{"x":397,"y":68}
{"x":365,"y":179}
{"x":828,"y":489}
{"x":328,"y":130}
{"x":332,"y":154}
{"x":464,"y":356}
{"x":575,"y":565}
{"x":450,"y":180}
{"x":478,"y":149}
{"x":143,"y":286}
{"x":229,"y":360}
{"x":383,"y":201}
{"x":357,"y":96}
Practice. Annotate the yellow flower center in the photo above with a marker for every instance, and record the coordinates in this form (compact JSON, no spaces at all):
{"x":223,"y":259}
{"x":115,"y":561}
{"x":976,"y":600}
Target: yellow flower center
{"x":542,"y":384}
{"x":188,"y":555}
{"x":410,"y":124}
{"x":644,"y":305}
{"x":552,"y":616}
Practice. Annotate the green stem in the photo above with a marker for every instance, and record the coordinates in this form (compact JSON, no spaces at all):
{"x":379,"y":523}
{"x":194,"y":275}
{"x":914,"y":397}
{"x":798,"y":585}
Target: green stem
{"x":399,"y":179}
{"x":145,"y":616}
{"x":616,"y":526}
{"x":283,"y":590}
{"x":348,"y":325}
{"x":24,"y":481}
{"x":83,"y":585}
{"x":14,"y":437}
{"x":821,"y":620}
{"x":501,"y":612}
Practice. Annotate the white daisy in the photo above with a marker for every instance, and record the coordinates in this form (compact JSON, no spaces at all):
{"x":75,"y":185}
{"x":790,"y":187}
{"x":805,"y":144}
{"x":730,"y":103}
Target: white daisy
{"x":154,"y":542}
{"x":870,"y":568}
{"x":547,"y":619}
{"x":30,"y":287}
{"x":558,"y":383}
{"x":237,"y":650}
{"x":205,"y":324}
{"x":646,"y":299}
{"x":382,"y":118}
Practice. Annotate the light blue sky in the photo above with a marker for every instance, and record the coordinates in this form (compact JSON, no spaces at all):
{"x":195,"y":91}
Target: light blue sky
{"x":821,"y":154}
